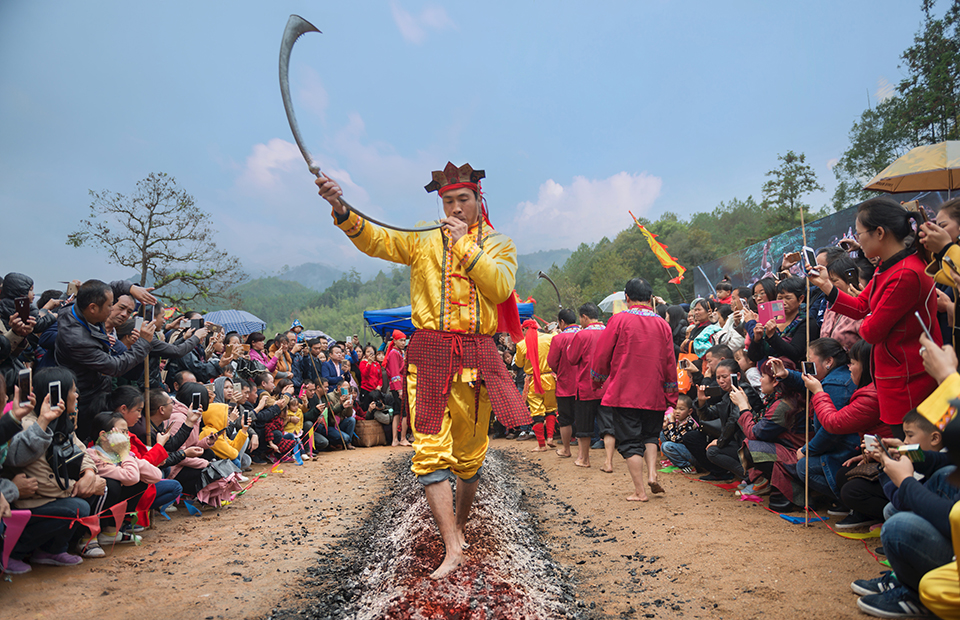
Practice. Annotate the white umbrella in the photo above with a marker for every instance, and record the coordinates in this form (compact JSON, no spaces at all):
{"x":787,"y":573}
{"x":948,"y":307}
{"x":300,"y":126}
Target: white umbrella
{"x":613,"y":303}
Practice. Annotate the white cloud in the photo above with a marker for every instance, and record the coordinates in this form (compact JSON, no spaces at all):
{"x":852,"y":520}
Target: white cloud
{"x":583,"y":212}
{"x":267,"y":160}
{"x":414,"y":29}
{"x":885,"y":89}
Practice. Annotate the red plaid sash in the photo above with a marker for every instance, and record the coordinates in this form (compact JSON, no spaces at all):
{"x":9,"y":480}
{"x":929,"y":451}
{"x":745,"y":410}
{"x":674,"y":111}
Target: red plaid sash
{"x":439,"y":357}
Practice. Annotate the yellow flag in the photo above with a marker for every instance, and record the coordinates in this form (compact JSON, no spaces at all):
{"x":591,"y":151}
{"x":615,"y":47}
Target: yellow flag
{"x":660,"y":251}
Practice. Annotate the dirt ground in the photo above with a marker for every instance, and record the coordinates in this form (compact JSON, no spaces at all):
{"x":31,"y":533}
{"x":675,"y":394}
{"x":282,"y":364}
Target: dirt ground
{"x":695,"y":552}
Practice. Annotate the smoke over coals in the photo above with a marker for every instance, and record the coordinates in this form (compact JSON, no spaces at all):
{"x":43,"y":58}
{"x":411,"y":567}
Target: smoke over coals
{"x":381,"y":569}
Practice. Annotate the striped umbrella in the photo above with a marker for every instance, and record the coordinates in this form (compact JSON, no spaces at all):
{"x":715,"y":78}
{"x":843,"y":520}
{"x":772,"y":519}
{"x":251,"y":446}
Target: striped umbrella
{"x":236,"y":321}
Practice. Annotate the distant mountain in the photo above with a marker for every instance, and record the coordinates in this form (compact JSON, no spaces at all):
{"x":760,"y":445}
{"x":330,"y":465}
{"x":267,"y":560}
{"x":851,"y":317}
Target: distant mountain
{"x":543,"y":260}
{"x":316,"y":276}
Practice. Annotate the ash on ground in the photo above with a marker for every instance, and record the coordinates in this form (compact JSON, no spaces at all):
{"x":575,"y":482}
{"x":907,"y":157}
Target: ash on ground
{"x":381,"y":569}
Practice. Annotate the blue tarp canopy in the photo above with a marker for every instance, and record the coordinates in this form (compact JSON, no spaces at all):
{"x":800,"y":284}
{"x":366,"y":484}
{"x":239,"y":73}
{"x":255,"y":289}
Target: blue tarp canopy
{"x":383,"y":322}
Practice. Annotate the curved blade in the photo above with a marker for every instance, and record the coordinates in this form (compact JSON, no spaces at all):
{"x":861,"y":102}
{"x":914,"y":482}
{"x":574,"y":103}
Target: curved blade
{"x":296,"y":26}
{"x":540,"y":274}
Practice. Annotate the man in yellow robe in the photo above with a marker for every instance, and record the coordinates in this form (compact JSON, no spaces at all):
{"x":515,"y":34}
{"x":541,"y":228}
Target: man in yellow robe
{"x":459,"y":274}
{"x":541,"y":383}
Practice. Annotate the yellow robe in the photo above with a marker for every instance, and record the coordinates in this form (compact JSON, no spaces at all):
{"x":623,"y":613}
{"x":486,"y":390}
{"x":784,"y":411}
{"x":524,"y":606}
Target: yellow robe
{"x":940,"y":588}
{"x":540,"y":404}
{"x":453,"y":287}
{"x":941,"y":275}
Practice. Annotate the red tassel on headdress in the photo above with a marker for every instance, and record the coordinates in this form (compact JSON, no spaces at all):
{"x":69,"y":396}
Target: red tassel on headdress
{"x":533,"y":352}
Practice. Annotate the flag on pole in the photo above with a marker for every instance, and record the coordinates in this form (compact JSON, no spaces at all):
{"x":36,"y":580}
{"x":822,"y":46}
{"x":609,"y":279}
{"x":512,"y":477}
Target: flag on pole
{"x":660,"y":251}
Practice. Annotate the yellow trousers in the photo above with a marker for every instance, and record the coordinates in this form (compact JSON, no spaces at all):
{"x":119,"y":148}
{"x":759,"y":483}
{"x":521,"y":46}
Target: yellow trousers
{"x":940,"y":591}
{"x":541,"y":404}
{"x":461,"y":444}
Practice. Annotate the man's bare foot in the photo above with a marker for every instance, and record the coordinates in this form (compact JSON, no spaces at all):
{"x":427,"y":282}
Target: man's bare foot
{"x":395,"y":443}
{"x":551,"y":444}
{"x":637,"y":498}
{"x":580,"y":463}
{"x":450,"y":563}
{"x":563,"y":455}
{"x":540,"y":449}
{"x":405,"y":443}
{"x":655,"y":487}
{"x":607,"y":469}
{"x":463,"y":541}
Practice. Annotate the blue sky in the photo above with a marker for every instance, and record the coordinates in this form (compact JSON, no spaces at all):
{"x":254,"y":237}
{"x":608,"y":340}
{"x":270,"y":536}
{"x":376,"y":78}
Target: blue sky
{"x":577,"y":111}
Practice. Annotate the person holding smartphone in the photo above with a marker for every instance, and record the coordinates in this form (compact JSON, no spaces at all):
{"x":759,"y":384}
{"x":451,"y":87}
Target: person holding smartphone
{"x":940,"y":239}
{"x":886,"y":306}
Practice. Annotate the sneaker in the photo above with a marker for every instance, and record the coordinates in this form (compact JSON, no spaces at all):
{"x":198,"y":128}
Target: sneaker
{"x":725,"y":477}
{"x":510,"y":436}
{"x":838,"y":510}
{"x":597,"y":445}
{"x":118,"y":538}
{"x":886,"y":581}
{"x":244,"y":479}
{"x":17,"y":567}
{"x":689,"y":469}
{"x":854,"y":520}
{"x":91,"y":549}
{"x":898,"y":602}
{"x":760,"y":486}
{"x":525,"y":436}
{"x":55,"y":559}
{"x":743,"y":484}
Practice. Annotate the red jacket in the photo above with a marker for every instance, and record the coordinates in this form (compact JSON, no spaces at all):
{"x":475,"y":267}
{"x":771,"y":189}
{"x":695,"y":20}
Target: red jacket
{"x":580,"y":356}
{"x":860,"y":415}
{"x":394,"y":366}
{"x":560,"y":364}
{"x":155,"y":455}
{"x":635,"y":356}
{"x":886,"y":306}
{"x":371,"y":375}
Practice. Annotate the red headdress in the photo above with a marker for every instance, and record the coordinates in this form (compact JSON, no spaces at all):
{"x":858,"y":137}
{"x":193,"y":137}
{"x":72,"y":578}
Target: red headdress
{"x":396,"y":335}
{"x":530,"y":328}
{"x":451,"y":177}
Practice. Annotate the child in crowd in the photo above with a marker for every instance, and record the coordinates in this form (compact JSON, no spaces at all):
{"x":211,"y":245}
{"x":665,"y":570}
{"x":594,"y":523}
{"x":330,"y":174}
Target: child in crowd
{"x":673,"y":432}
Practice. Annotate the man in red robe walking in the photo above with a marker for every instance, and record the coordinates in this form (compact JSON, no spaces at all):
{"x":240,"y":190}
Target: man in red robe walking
{"x":566,"y":376}
{"x":634,"y":357}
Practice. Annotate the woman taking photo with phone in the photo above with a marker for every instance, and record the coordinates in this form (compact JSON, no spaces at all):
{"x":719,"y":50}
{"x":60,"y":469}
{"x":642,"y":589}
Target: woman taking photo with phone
{"x":940,"y":239}
{"x":887,"y":305}
{"x":786,"y":338}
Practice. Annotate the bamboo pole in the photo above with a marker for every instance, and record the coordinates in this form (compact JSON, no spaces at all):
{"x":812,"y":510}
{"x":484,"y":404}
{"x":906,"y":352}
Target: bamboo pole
{"x":806,"y":425}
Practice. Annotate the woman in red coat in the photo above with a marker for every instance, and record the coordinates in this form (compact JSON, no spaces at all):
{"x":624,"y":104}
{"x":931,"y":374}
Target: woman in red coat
{"x":887,"y":305}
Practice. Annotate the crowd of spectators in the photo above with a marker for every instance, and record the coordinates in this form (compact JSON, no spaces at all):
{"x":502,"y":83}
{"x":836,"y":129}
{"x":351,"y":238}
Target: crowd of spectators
{"x":858,"y":335}
{"x":110,"y":401}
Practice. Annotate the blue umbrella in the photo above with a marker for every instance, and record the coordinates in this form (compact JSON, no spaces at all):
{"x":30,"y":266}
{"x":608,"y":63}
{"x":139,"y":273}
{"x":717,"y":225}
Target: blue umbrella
{"x":236,"y":321}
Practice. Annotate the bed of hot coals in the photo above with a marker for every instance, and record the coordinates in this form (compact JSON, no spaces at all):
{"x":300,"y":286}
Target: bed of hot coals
{"x":381,"y":569}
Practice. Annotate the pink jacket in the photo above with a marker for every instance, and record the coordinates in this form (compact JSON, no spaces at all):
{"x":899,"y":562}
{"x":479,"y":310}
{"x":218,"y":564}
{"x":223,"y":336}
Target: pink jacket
{"x":263,"y":358}
{"x":177,"y":418}
{"x":128,"y":472}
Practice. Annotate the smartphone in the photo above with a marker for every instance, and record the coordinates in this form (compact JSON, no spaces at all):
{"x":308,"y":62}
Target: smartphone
{"x":246,"y":348}
{"x":846,"y":245}
{"x":246,"y":418}
{"x":25,"y":381}
{"x":924,"y":326}
{"x":195,"y":402}
{"x":783,"y":275}
{"x":221,"y":431}
{"x":809,"y":258}
{"x":713,"y":391}
{"x":54,"y":393}
{"x":196,"y":324}
{"x":148,"y":313}
{"x":138,"y":322}
{"x":951,"y":264}
{"x":22,"y":306}
{"x":808,"y":368}
{"x":735,"y":379}
{"x":871,"y":443}
{"x":344,"y":390}
{"x":852,"y":276}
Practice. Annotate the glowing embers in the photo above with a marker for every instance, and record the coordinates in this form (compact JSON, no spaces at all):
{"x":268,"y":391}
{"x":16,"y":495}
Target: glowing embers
{"x":507,"y":574}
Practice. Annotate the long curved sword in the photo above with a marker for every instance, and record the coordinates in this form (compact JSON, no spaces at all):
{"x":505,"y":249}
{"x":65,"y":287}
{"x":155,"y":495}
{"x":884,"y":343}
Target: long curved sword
{"x":552,"y":283}
{"x":297,"y":26}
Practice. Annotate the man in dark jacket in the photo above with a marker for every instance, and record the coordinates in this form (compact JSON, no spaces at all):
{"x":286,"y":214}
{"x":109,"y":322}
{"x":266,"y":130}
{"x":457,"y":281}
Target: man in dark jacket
{"x":84,"y":347}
